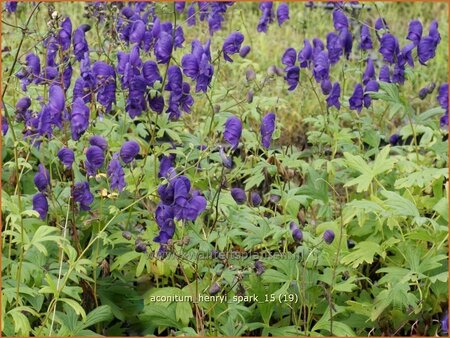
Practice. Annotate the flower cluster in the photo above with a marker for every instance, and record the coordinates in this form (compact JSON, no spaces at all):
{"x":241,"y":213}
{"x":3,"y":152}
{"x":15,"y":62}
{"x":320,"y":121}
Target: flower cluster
{"x":240,"y":197}
{"x":210,"y":11}
{"x":232,"y":45}
{"x":268,"y":15}
{"x":137,"y":77}
{"x":197,"y":65}
{"x":340,"y":43}
{"x":177,"y":203}
{"x":140,"y":26}
{"x":11,"y":6}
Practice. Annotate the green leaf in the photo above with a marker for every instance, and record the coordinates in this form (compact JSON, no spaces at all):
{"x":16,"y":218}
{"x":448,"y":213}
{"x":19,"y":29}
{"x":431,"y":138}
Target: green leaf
{"x":357,"y":163}
{"x":362,"y":252}
{"x":21,"y":323}
{"x":43,"y":234}
{"x":399,"y":205}
{"x":124,"y":259}
{"x":443,"y":277}
{"x":161,"y":316}
{"x":362,"y":182}
{"x":441,"y":208}
{"x":382,"y":163}
{"x":75,"y":306}
{"x":421,"y":178}
{"x":183,"y":312}
{"x":100,"y":314}
{"x":274,"y":276}
{"x":346,"y":286}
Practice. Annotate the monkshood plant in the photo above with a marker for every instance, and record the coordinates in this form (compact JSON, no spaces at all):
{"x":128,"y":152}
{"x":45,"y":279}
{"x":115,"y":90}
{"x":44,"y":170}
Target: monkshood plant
{"x":220,"y":168}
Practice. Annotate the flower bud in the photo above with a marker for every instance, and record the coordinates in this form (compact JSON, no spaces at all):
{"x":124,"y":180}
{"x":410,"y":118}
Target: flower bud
{"x":274,"y":198}
{"x":350,"y":244}
{"x":214,"y":289}
{"x":250,"y":96}
{"x":271,"y":70}
{"x":297,"y":234}
{"x":394,"y":139}
{"x":126,"y":235}
{"x":255,"y":198}
{"x":250,"y":75}
{"x":259,"y":268}
{"x":214,"y":253}
{"x":279,"y":71}
{"x":238,"y":195}
{"x":227,"y":161}
{"x":244,"y":51}
{"x":140,"y":246}
{"x":328,"y":236}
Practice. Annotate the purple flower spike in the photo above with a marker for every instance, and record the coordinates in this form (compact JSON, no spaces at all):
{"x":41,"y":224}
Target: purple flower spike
{"x":164,"y":47}
{"x":443,"y":102}
{"x":5,"y":126}
{"x":334,"y":47}
{"x":197,"y":65}
{"x":65,"y":33}
{"x":191,"y":16}
{"x":105,"y":81}
{"x":369,"y":73}
{"x":23,"y":104}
